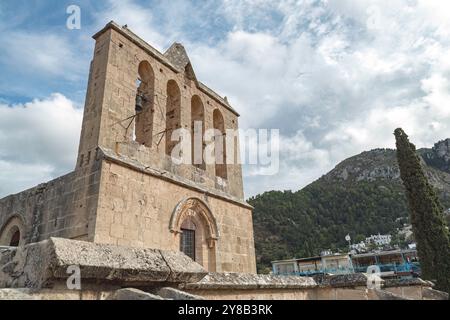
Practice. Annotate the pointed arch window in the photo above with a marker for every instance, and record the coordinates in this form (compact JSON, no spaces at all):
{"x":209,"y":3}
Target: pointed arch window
{"x":144,"y":108}
{"x":197,"y":132}
{"x":193,"y":222}
{"x":220,"y":144}
{"x":173,"y":114}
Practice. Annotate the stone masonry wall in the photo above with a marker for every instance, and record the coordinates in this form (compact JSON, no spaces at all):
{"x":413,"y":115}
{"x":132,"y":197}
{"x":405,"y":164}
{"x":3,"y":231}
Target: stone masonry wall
{"x":135,"y":209}
{"x":64,"y":207}
{"x":115,"y":203}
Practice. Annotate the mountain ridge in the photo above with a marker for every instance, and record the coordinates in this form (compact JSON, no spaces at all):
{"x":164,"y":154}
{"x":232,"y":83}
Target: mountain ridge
{"x":362,"y":195}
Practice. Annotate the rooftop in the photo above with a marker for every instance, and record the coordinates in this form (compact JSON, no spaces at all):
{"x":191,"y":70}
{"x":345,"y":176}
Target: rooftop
{"x":315,"y":258}
{"x":383,"y":253}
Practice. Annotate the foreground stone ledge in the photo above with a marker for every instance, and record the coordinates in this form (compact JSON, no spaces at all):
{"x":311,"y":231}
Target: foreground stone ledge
{"x":174,"y":294}
{"x":133,"y":294}
{"x":39,"y":271}
{"x":15,"y":294}
{"x":342,"y":280}
{"x":42,"y":264}
{"x":431,"y":294}
{"x":407,"y":283}
{"x":218,"y":281}
{"x":385,"y":295}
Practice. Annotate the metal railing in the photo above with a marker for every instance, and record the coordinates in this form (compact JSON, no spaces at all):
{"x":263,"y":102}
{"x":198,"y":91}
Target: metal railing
{"x":333,"y":271}
{"x":411,"y":267}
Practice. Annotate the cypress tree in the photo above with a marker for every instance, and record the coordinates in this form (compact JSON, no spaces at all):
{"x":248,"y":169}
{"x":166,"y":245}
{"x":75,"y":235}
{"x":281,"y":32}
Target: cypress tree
{"x":427,"y":215}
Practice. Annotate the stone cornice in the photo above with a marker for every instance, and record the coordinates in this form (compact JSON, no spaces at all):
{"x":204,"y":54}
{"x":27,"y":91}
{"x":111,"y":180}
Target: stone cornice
{"x":168,"y":176}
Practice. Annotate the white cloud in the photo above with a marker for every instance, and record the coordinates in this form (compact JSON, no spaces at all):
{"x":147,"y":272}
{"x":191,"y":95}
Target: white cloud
{"x":300,"y":163}
{"x":425,"y":119}
{"x":38,"y":141}
{"x":43,"y":54}
{"x":340,"y":74}
{"x":335,"y":76}
{"x":139,"y":19}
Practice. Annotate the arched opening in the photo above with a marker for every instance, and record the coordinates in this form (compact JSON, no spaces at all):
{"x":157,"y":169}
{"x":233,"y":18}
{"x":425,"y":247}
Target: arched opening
{"x":219,"y":144}
{"x":197,"y":132}
{"x":173,"y":114}
{"x":15,"y":239}
{"x":144,"y":107}
{"x":196,"y":227}
{"x":12,"y":232}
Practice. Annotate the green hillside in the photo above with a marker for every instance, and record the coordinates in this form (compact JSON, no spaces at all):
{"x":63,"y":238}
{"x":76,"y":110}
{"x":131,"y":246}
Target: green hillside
{"x":363,"y":195}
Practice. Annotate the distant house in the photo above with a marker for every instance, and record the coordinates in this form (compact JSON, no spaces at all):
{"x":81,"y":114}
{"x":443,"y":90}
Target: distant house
{"x":394,"y":263}
{"x":379,"y":240}
{"x":324,"y":264}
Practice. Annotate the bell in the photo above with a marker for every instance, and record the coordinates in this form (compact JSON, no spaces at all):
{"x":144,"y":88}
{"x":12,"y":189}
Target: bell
{"x":138,"y":106}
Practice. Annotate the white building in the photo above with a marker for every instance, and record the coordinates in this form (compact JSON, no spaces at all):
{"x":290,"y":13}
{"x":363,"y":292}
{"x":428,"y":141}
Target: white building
{"x":379,"y":240}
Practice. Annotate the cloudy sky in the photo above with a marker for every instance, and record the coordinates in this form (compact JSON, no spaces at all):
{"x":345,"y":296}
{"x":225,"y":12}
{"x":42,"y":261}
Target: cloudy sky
{"x":335,"y":76}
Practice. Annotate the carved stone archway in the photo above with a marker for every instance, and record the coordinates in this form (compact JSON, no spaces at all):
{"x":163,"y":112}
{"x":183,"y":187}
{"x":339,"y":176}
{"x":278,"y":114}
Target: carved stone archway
{"x":12,"y":232}
{"x":195,"y":212}
{"x":195,"y":207}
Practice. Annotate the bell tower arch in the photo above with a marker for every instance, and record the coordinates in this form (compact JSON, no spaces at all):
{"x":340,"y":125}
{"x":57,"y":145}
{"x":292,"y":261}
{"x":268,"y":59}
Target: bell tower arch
{"x":195,"y":228}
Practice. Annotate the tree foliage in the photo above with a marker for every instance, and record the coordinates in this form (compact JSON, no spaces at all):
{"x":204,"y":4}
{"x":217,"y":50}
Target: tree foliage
{"x":301,"y":224}
{"x":368,"y":199}
{"x":426,"y":215}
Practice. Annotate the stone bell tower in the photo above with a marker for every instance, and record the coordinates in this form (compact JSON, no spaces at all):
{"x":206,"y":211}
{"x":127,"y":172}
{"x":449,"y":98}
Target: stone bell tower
{"x":127,"y":189}
{"x":136,"y":98}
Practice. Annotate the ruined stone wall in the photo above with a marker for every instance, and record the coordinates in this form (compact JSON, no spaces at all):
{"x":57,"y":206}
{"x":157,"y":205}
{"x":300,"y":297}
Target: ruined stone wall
{"x":400,"y":292}
{"x":135,"y":209}
{"x":232,"y":286}
{"x":102,"y":292}
{"x":318,"y":293}
{"x":64,"y":207}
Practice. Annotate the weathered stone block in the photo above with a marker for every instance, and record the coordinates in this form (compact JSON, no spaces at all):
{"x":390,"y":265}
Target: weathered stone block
{"x":385,"y":295}
{"x":174,"y":294}
{"x":431,"y":294}
{"x":41,"y":264}
{"x":249,"y":281}
{"x":133,"y":294}
{"x":15,"y":294}
{"x":343,"y":280}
